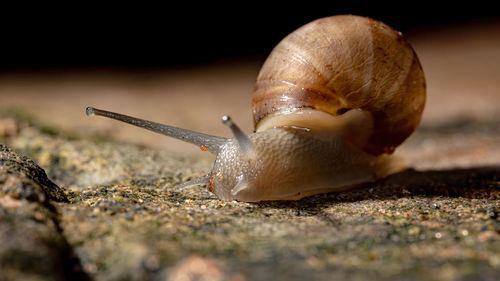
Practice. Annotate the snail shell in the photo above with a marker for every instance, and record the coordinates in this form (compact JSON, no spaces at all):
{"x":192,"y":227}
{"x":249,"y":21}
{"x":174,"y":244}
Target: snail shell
{"x":340,"y":63}
{"x":331,"y":103}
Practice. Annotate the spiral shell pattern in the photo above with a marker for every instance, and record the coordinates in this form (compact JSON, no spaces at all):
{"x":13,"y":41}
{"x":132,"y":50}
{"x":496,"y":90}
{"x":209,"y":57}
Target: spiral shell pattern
{"x":340,"y":63}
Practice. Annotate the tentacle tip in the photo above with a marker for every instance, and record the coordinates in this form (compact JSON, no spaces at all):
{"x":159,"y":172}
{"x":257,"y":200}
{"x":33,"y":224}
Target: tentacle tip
{"x":226,"y":120}
{"x":89,"y":111}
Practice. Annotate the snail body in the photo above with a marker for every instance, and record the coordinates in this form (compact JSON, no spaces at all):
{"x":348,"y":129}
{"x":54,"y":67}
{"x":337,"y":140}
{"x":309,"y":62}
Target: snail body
{"x":331,"y":103}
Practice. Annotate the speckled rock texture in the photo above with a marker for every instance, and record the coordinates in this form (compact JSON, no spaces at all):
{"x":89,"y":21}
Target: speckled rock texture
{"x":32,"y":246}
{"x":122,"y":214}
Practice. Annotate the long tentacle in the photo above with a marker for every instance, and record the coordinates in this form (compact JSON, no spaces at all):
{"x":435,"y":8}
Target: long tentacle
{"x":212,"y":143}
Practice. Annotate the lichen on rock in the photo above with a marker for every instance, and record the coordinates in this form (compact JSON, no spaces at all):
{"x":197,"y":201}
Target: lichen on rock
{"x":32,"y":246}
{"x":22,"y":177}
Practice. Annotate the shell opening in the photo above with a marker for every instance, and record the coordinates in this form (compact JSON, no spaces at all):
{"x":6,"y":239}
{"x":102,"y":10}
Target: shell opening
{"x":355,"y":125}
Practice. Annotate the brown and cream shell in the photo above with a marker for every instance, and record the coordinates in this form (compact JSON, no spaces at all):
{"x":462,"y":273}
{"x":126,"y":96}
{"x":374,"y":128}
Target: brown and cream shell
{"x":340,"y":63}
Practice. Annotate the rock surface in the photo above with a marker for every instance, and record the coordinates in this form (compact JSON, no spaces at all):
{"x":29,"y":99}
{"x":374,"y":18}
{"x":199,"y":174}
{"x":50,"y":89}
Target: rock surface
{"x":32,"y":246}
{"x":126,"y":220}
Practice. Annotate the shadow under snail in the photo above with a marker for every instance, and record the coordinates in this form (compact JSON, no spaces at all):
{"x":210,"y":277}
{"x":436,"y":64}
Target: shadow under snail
{"x":331,"y":103}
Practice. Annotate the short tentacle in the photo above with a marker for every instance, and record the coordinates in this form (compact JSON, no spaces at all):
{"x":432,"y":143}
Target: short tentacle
{"x":204,"y":180}
{"x":242,"y":139}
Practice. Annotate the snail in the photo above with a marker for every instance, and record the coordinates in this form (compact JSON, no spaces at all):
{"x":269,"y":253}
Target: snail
{"x":331,"y":103}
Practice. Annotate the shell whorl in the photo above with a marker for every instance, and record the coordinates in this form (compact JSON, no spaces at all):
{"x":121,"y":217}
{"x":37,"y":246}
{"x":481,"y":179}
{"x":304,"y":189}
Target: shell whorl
{"x":339,"y":63}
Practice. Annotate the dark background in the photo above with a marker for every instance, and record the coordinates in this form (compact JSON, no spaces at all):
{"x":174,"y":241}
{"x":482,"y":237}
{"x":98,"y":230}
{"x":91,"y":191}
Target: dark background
{"x":34,"y":37}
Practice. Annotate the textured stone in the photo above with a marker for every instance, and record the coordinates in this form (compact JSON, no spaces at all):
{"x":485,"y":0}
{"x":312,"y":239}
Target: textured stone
{"x":31,"y":244}
{"x":127,"y":219}
{"x":22,"y":177}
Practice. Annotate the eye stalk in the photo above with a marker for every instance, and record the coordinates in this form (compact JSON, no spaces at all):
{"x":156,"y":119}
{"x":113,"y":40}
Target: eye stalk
{"x":212,"y":143}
